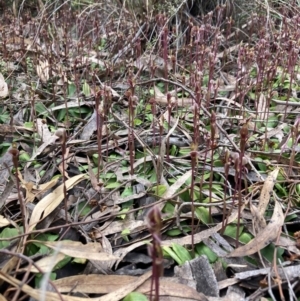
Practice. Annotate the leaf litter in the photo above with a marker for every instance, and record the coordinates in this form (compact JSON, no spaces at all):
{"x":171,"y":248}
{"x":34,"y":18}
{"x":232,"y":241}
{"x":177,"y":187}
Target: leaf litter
{"x":139,"y":134}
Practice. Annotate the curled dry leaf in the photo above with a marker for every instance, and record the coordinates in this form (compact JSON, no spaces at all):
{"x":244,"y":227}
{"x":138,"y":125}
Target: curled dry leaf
{"x":42,"y":70}
{"x":32,"y":191}
{"x":162,"y":99}
{"x":265,"y":237}
{"x":47,"y":137}
{"x":258,"y":221}
{"x":262,"y":109}
{"x":4,"y":221}
{"x":3,"y":87}
{"x":266,"y":191}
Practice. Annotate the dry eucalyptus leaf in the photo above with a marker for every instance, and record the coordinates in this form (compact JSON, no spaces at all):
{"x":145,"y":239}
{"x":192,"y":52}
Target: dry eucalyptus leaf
{"x":258,"y":220}
{"x":4,"y":221}
{"x":93,"y":283}
{"x":125,"y":290}
{"x":262,"y":110}
{"x":265,"y":237}
{"x":122,"y":252}
{"x":43,"y":130}
{"x":46,"y":264}
{"x":162,"y":99}
{"x":104,"y":284}
{"x":42,"y":70}
{"x":119,"y":226}
{"x":93,"y":177}
{"x":52,"y":201}
{"x":266,"y":191}
{"x":3,"y":87}
{"x":90,"y":251}
{"x":47,"y":137}
{"x":173,"y":188}
{"x":32,"y":191}
{"x":36,"y":293}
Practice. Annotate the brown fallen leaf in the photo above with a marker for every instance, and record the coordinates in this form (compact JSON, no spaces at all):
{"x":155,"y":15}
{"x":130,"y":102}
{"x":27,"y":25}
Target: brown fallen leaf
{"x":51,"y":201}
{"x":262,"y":110}
{"x":93,"y":178}
{"x":132,"y":284}
{"x":163,"y":100}
{"x":91,"y":251}
{"x":3,"y":87}
{"x":9,"y":265}
{"x":103,"y":284}
{"x":125,"y":290}
{"x":174,"y":187}
{"x":122,"y":252}
{"x":32,"y":191}
{"x":2,"y":298}
{"x":46,"y":264}
{"x":35,"y":293}
{"x":47,"y":137}
{"x":258,"y":221}
{"x":267,"y":190}
{"x":4,"y":221}
{"x":265,"y":237}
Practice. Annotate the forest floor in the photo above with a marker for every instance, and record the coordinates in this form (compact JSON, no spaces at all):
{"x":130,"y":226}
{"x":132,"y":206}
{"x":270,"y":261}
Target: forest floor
{"x":136,"y":141}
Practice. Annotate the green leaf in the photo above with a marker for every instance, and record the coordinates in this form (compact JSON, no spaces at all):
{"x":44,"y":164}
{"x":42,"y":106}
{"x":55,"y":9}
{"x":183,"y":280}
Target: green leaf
{"x":24,"y":157}
{"x":203,"y":249}
{"x":291,"y":217}
{"x":4,"y":118}
{"x":61,"y":114}
{"x":40,"y":108}
{"x":71,"y":89}
{"x":128,"y":191}
{"x":230,"y":230}
{"x":172,"y":254}
{"x":176,"y":232}
{"x":203,"y":214}
{"x":86,"y":90}
{"x":268,"y":253}
{"x":80,"y":260}
{"x":7,"y":233}
{"x":38,"y":278}
{"x":62,"y":263}
{"x":108,"y":175}
{"x":47,"y":237}
{"x":181,"y":252}
{"x":83,"y":209}
{"x":169,"y":208}
{"x":113,"y":185}
{"x":135,"y":296}
{"x":124,"y":211}
{"x":41,"y":249}
{"x":28,"y":125}
{"x":245,"y":237}
{"x":125,"y":234}
{"x":137,"y":121}
{"x":173,"y":150}
{"x":281,"y":189}
{"x":159,"y":190}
